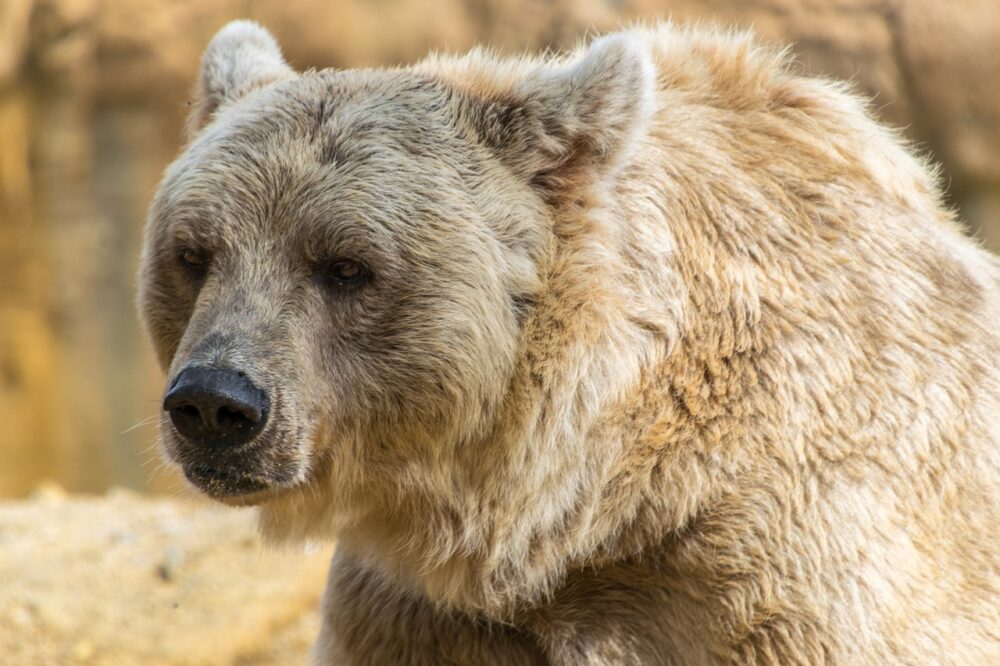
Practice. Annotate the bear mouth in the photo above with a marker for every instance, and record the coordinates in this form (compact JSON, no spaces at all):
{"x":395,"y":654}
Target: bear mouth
{"x":250,"y":479}
{"x":226,"y":483}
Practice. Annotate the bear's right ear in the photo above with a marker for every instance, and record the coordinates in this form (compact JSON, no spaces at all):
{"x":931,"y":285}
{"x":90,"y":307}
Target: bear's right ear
{"x":241,"y":57}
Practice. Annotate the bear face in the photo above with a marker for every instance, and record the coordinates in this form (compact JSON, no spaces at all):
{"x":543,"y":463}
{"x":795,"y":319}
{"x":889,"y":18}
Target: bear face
{"x":318,"y":245}
{"x":358,"y":252}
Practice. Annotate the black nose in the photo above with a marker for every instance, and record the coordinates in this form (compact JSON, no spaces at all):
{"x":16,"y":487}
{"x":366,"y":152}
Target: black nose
{"x":216,"y":406}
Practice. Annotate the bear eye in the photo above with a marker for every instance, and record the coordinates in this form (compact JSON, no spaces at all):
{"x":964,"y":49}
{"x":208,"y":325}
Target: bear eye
{"x":345,"y":272}
{"x":195,"y":261}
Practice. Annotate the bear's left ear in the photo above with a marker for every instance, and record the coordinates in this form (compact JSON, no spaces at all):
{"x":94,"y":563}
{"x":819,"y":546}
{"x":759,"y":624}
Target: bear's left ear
{"x":574,"y":120}
{"x":241,"y":57}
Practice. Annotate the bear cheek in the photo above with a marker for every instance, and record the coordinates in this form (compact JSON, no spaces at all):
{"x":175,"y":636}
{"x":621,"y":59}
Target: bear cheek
{"x":166,"y":319}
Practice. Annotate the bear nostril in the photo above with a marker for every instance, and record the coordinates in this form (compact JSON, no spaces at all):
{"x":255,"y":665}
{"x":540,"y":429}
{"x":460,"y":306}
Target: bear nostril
{"x":189,"y":411}
{"x":216,"y":406}
{"x":235,"y":419}
{"x":186,"y":418}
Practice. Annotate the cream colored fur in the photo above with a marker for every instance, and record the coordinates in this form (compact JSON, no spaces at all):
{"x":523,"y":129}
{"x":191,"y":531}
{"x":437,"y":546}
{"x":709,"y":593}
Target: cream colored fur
{"x":696,"y":367}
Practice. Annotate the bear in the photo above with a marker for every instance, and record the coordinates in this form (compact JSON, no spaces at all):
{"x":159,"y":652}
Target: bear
{"x":656,"y":351}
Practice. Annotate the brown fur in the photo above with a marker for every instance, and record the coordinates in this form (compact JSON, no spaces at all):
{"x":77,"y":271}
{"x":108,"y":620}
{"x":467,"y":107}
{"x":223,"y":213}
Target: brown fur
{"x":669,"y":356}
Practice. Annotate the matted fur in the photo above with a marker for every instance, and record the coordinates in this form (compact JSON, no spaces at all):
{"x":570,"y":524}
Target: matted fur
{"x":670,"y":355}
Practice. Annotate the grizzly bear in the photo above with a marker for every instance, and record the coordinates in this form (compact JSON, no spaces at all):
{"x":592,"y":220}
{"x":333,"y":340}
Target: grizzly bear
{"x":654,"y":352}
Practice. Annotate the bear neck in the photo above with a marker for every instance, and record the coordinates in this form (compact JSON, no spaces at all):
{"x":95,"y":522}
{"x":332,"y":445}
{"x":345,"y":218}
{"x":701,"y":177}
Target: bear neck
{"x":676,"y":367}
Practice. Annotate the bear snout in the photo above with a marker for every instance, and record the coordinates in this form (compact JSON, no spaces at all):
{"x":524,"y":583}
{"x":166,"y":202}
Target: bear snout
{"x":216,"y":407}
{"x":227,"y":434}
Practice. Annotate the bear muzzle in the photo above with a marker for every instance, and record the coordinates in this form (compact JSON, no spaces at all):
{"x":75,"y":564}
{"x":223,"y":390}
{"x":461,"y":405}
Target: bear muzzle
{"x":218,"y":415}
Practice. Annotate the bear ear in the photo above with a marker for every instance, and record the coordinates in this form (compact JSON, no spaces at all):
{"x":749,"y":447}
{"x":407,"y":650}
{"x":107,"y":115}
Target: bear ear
{"x":574,"y":120}
{"x":241,"y":57}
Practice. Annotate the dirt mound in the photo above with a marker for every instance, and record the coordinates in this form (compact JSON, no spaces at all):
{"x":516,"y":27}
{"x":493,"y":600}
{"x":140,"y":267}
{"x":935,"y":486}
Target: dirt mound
{"x":122,"y":579}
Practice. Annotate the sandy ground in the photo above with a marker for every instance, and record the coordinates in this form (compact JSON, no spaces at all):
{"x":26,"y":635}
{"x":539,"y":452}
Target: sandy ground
{"x":125,"y":579}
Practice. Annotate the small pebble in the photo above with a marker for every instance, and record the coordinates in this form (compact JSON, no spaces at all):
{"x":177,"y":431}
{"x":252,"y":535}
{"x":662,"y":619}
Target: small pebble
{"x":48,"y":492}
{"x":171,"y":563}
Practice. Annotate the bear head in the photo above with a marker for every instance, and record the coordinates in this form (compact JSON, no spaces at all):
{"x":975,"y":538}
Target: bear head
{"x":340,"y":267}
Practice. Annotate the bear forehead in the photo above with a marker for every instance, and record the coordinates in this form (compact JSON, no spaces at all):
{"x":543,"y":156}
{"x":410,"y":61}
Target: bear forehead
{"x":321,"y":130}
{"x":392,"y":108}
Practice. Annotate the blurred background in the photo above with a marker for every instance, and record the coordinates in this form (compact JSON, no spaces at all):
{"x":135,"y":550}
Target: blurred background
{"x":92,"y":101}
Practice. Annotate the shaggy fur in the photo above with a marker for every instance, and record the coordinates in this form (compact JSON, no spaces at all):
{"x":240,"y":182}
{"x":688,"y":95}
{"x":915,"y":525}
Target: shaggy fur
{"x":665,"y":354}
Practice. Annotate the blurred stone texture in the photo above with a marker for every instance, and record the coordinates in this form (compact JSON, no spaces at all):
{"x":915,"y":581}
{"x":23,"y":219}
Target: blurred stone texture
{"x":126,"y":580}
{"x":92,"y":100}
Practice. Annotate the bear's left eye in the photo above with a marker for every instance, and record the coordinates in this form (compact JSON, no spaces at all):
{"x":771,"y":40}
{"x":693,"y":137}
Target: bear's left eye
{"x":345,"y":272}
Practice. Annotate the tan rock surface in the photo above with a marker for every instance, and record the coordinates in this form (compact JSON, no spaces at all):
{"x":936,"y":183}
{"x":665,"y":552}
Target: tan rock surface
{"x":951,"y":57}
{"x":126,"y":580}
{"x":15,"y":16}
